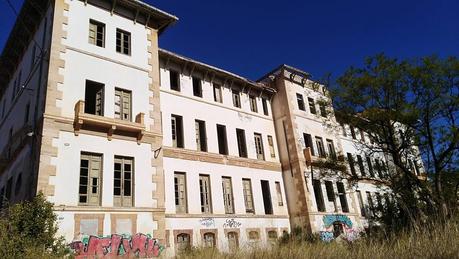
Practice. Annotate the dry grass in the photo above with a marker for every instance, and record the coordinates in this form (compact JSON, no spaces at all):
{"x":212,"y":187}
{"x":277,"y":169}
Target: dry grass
{"x":436,"y":241}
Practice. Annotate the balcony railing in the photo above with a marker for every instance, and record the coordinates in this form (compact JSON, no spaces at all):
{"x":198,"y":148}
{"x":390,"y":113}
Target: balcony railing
{"x":330,"y":162}
{"x":109,"y":125}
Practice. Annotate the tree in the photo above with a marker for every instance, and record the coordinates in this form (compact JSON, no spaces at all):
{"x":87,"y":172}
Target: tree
{"x":408,"y":108}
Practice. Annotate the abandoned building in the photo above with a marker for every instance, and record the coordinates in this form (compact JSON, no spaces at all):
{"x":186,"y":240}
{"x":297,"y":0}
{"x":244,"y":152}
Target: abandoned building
{"x":125,"y":137}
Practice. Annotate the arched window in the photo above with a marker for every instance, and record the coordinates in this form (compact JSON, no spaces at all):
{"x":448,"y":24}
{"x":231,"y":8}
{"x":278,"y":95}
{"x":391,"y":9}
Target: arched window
{"x":272,"y":236}
{"x":233,"y":241}
{"x":209,"y":239}
{"x":183,"y":242}
{"x":337,"y":228}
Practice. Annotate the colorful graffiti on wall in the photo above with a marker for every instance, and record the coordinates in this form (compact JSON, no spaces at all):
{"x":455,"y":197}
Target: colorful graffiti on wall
{"x":338,"y":225}
{"x":139,"y":245}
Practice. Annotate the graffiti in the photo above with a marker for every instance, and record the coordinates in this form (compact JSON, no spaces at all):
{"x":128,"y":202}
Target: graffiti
{"x":326,"y":236}
{"x":207,"y":222}
{"x":231,"y":223}
{"x":330,"y":219}
{"x":139,"y":245}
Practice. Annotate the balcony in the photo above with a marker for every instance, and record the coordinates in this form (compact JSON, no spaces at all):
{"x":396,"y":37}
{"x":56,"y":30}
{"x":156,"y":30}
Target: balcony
{"x":18,"y":140}
{"x":109,"y":125}
{"x":334,"y":163}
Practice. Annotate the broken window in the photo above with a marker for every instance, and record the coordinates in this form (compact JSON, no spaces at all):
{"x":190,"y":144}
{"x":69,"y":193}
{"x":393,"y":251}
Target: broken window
{"x":90,"y":179}
{"x":123,"y":182}
{"x":241,"y":144}
{"x":228,"y":195}
{"x":264,"y":102}
{"x":280,"y":201}
{"x":253,"y":103}
{"x":123,"y":104}
{"x":123,"y":42}
{"x":318,"y":194}
{"x":308,"y":142}
{"x":204,"y":190}
{"x":174,"y":77}
{"x":312,"y":105}
{"x":201,"y":135}
{"x":177,"y":131}
{"x":236,"y":99}
{"x":342,"y":197}
{"x":300,"y":101}
{"x":248,"y":196}
{"x":96,"y":33}
{"x":180,"y":192}
{"x":271,"y":146}
{"x":266,"y":197}
{"x":94,"y":98}
{"x":218,"y":93}
{"x":222,"y":141}
{"x":197,"y":87}
{"x":259,"y":146}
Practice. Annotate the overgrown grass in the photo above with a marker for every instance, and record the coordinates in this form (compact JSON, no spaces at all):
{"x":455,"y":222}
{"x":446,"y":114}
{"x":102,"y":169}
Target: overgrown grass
{"x":433,"y":241}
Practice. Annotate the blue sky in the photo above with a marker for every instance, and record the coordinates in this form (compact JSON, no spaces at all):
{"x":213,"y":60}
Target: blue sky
{"x":250,"y":38}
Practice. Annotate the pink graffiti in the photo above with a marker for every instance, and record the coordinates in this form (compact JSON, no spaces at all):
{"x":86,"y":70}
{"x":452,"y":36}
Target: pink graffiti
{"x":139,"y":245}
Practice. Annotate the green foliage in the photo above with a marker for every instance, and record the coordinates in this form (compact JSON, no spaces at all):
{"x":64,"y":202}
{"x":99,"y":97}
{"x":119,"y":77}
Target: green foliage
{"x":28,"y":230}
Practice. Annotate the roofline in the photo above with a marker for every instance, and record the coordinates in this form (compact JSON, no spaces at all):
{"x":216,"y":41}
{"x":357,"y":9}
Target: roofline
{"x":219,"y":70}
{"x":288,"y":68}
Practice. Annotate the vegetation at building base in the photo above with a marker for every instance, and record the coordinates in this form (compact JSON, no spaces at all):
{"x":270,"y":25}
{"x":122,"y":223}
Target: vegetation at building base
{"x":28,"y":230}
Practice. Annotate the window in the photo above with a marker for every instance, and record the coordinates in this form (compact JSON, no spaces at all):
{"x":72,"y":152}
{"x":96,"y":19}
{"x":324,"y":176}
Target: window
{"x":222,"y":141}
{"x":323,"y":109}
{"x":254,"y":235}
{"x":378,"y":168}
{"x":272,"y":237}
{"x":123,"y":104}
{"x":96,"y":33}
{"x":379,"y":201}
{"x":343,"y":127}
{"x":300,"y":101}
{"x":94,"y":98}
{"x":266,"y":197}
{"x":370,"y":167}
{"x":197,"y":87}
{"x":318,"y":194}
{"x":209,"y":239}
{"x":174,"y":78}
{"x":90,"y":179}
{"x":123,"y":42}
{"x":248,"y":195}
{"x":361,"y":205}
{"x":241,"y":144}
{"x":342,"y":196}
{"x":330,"y":191}
{"x":183,"y":242}
{"x":264,"y":102}
{"x":123,"y":184}
{"x":320,"y":147}
{"x":352,"y":132}
{"x":259,"y":146}
{"x":201,"y":135}
{"x":253,"y":103}
{"x":312,"y":105}
{"x":218,"y":93}
{"x":180,"y":192}
{"x":331,"y":148}
{"x":236,"y":99}
{"x":228,"y":195}
{"x":361,"y":166}
{"x":26,"y":114}
{"x":204,"y":190}
{"x":233,"y":241}
{"x":308,"y":142}
{"x":370,"y":204}
{"x":271,"y":146}
{"x":350,"y":160}
{"x":177,"y":131}
{"x":362,"y":135}
{"x":280,"y":202}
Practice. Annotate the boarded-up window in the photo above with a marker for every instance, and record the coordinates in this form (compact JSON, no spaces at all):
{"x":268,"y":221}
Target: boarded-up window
{"x":271,"y":146}
{"x":122,"y":104}
{"x":201,"y":135}
{"x":96,"y":33}
{"x":248,"y":195}
{"x":259,"y":146}
{"x":89,"y":227}
{"x":272,"y":236}
{"x":280,"y":201}
{"x":204,"y":190}
{"x":90,"y":179}
{"x":228,"y":195}
{"x":124,"y":227}
{"x":123,"y":182}
{"x":180,"y":192}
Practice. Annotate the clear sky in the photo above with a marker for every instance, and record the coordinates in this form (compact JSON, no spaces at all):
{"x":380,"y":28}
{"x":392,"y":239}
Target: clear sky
{"x":250,"y":38}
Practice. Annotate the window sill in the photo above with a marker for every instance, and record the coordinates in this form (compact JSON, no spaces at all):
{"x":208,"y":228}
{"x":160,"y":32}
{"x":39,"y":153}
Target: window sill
{"x":109,"y":125}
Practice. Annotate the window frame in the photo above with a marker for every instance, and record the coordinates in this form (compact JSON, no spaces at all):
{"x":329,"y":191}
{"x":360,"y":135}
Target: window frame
{"x":248,"y":192}
{"x":228,"y":197}
{"x":197,"y":86}
{"x":96,"y":24}
{"x":91,"y":158}
{"x":206,"y":203}
{"x":218,"y":96}
{"x":253,"y":103}
{"x":177,"y":126}
{"x":180,"y":196}
{"x":300,"y":102}
{"x":201,"y":135}
{"x":123,"y":197}
{"x":259,"y":148}
{"x":312,"y":106}
{"x":241,"y":143}
{"x":236,"y":96}
{"x":122,"y":93}
{"x":122,"y":48}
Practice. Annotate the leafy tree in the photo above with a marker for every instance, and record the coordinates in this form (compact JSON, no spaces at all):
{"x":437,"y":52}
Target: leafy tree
{"x":408,"y":108}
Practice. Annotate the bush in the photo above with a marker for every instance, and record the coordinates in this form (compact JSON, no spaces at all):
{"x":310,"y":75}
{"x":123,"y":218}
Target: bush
{"x":28,"y":230}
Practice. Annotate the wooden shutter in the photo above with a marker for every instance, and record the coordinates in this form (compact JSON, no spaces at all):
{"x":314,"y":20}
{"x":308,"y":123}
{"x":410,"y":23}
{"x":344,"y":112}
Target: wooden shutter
{"x":271,"y":146}
{"x":280,"y":202}
{"x":227,"y":195}
{"x":204,"y":184}
{"x":180,"y":193}
{"x":248,"y":196}
{"x":100,"y":102}
{"x":92,"y":33}
{"x":174,"y":131}
{"x":259,"y":146}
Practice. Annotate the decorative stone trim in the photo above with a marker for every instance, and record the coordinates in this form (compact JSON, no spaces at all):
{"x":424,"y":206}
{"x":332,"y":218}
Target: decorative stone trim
{"x":77,"y":220}
{"x":248,"y":230}
{"x":183,"y":231}
{"x":193,"y":155}
{"x":204,"y":231}
{"x":132,"y":217}
{"x":237,"y":230}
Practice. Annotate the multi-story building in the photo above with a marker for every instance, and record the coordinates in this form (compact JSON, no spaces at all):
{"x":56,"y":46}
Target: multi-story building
{"x":132,"y":141}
